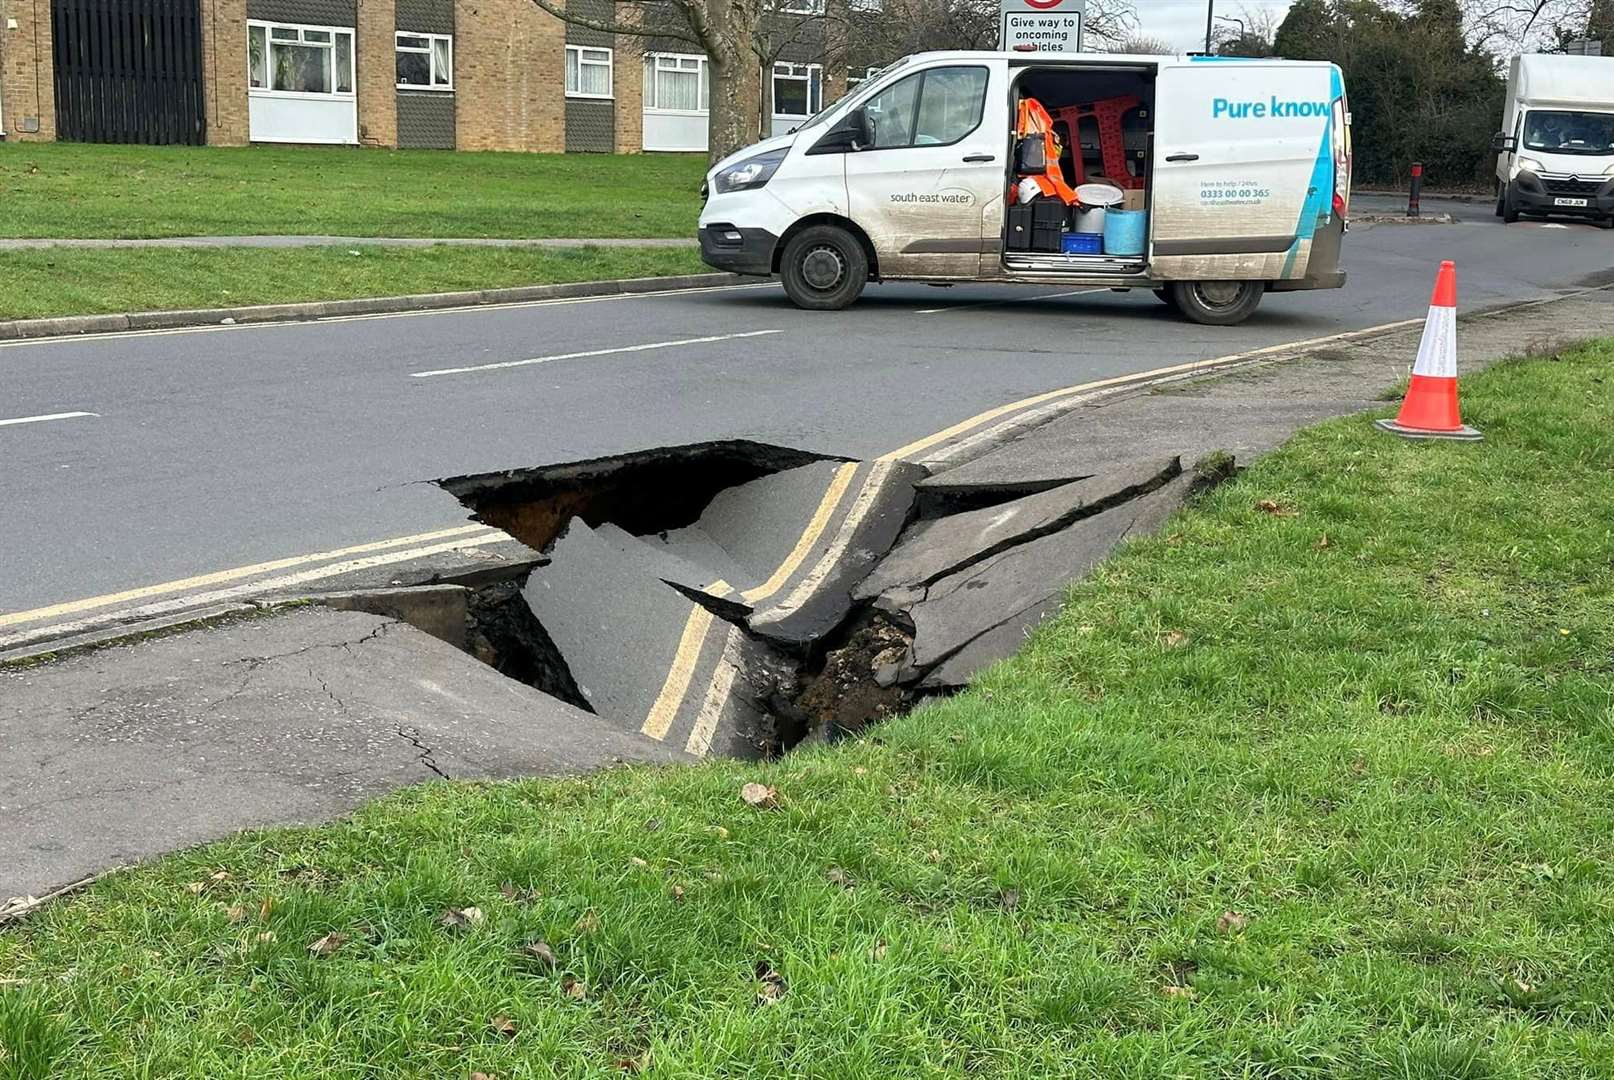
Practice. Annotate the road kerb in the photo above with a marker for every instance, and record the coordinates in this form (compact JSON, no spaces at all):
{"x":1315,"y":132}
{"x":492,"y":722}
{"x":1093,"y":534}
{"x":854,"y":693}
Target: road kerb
{"x":74,"y":325}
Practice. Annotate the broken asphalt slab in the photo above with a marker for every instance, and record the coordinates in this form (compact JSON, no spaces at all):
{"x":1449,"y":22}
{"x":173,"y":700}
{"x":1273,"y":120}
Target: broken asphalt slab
{"x":118,"y":754}
{"x":868,"y":513}
{"x":1006,"y":594}
{"x":948,"y":544}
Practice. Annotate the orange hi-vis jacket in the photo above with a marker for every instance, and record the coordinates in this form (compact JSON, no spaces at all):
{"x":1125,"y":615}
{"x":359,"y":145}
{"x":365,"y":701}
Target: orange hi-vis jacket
{"x":1034,"y":120}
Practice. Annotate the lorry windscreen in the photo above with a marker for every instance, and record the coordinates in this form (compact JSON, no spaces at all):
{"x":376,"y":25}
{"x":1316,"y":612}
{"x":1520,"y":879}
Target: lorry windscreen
{"x":1563,"y":132}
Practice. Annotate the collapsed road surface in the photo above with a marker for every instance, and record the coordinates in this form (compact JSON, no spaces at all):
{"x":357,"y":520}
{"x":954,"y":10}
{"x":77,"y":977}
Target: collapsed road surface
{"x":728,"y":598}
{"x":221,"y":450}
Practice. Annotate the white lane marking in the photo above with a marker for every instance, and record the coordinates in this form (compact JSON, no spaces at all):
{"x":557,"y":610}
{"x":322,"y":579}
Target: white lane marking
{"x":592,"y":352}
{"x":274,"y":323}
{"x":236,"y":592}
{"x":45,"y":417}
{"x":1011,"y":300}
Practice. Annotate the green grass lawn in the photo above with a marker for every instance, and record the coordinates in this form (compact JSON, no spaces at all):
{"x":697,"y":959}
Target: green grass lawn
{"x":87,"y":282}
{"x":79,"y":190}
{"x":1320,"y":789}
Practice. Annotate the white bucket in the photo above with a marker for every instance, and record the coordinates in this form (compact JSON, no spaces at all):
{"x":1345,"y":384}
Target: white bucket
{"x":1090,"y":220}
{"x":1100,"y":195}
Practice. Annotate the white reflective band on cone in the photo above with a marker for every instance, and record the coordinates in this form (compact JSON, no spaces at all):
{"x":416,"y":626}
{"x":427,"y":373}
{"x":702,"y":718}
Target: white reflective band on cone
{"x":1437,"y":351}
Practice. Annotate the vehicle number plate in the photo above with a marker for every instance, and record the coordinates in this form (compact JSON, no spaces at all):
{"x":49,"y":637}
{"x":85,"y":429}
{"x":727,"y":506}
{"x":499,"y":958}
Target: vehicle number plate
{"x":1569,"y":202}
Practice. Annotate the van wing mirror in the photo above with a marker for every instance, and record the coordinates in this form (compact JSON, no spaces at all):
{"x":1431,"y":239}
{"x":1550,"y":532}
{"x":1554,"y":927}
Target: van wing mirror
{"x":1503,"y":143}
{"x":1031,"y":156}
{"x":854,"y":132}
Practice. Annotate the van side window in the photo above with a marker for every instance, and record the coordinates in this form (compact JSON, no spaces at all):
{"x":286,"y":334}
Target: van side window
{"x":931,"y":108}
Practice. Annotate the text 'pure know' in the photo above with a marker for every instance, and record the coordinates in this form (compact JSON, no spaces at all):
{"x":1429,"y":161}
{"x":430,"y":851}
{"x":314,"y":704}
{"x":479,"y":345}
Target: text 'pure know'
{"x":1239,"y":110}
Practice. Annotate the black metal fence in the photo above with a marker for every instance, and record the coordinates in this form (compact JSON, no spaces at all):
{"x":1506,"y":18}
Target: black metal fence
{"x":129,"y":71}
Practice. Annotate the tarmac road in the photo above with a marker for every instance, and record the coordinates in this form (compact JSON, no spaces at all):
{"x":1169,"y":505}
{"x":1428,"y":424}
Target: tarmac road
{"x":224,"y":446}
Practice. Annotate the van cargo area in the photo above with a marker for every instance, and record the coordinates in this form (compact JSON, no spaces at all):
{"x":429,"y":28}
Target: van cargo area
{"x":1103,"y":128}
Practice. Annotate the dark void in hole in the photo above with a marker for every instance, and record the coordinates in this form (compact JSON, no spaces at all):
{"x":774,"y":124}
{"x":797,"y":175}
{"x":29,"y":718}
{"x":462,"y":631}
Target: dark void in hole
{"x":646,"y":491}
{"x":504,"y":634}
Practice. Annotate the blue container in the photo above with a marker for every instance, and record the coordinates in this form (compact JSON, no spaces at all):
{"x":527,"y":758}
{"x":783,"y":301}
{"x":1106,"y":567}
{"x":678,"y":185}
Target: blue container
{"x":1082,"y":243}
{"x":1124,"y":231}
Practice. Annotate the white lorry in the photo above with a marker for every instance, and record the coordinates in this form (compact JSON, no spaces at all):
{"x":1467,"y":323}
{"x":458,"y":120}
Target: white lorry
{"x":1242,"y":166}
{"x":1555,"y":152}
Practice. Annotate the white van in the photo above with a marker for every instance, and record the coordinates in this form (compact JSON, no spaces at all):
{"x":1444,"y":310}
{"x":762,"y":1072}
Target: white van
{"x":1243,"y":167}
{"x":1555,"y":152}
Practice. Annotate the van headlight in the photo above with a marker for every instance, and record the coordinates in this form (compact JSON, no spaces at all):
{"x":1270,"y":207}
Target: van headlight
{"x":753,"y":172}
{"x":1530,"y":165}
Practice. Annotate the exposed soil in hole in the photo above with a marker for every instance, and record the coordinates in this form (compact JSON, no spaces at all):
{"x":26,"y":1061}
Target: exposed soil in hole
{"x":856,"y":682}
{"x":505,"y":635}
{"x":643,"y":492}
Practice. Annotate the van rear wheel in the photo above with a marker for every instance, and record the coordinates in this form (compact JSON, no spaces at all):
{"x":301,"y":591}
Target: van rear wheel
{"x":824,"y":268}
{"x":1218,"y":303}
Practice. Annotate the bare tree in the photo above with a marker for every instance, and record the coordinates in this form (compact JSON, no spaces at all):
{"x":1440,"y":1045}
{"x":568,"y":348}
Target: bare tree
{"x":725,"y":30}
{"x":1249,"y":33}
{"x":1142,"y":45}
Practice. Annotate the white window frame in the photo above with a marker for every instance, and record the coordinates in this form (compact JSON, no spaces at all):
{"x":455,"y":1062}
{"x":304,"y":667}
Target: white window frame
{"x":431,"y":59}
{"x":798,"y":73}
{"x":269,"y":60}
{"x":610,"y":71}
{"x":803,"y":7}
{"x":855,"y":81}
{"x":654,"y":62}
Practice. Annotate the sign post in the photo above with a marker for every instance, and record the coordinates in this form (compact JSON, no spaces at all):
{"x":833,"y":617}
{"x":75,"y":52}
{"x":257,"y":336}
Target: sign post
{"x":1042,"y":26}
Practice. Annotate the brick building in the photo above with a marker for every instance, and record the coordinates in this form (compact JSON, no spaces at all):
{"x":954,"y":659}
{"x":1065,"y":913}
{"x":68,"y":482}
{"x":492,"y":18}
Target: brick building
{"x":444,"y":74}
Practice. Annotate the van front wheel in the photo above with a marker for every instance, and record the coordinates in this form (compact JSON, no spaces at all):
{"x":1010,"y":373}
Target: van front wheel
{"x":1217,"y":303}
{"x":824,"y":268}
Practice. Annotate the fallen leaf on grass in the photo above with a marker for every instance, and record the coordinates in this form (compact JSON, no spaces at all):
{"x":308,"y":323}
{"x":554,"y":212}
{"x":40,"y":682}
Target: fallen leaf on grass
{"x":483,"y":1076}
{"x":878,"y":952}
{"x":574,"y":988}
{"x":1276,"y":509}
{"x":633,"y":1065}
{"x":720,"y":832}
{"x":678,"y":893}
{"x":589,"y":923}
{"x":1174,"y":639}
{"x":935,"y":856}
{"x":503,"y":1025}
{"x":840,"y":877}
{"x":1231,"y":922}
{"x":235,"y":913}
{"x":760,"y":796}
{"x":266,"y":938}
{"x":1174,"y":991}
{"x":636,"y":861}
{"x":541,"y":952}
{"x":460,"y":918}
{"x":771,"y":985}
{"x":265,"y":908}
{"x":328,"y":944}
{"x":1322,"y":542}
{"x":1009,"y":898}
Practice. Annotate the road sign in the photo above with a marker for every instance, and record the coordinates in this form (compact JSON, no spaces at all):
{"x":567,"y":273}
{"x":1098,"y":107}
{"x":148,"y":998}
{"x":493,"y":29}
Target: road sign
{"x":1042,"y":26}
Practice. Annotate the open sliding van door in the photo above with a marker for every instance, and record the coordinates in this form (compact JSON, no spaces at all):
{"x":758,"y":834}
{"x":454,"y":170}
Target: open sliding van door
{"x":1244,"y":172}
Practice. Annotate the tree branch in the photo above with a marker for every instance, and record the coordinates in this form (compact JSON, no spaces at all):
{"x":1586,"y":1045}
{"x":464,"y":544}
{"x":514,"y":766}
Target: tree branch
{"x":609,"y":26}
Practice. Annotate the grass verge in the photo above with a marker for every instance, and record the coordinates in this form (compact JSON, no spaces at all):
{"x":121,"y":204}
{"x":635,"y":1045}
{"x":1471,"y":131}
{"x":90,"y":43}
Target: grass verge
{"x":1316,"y":783}
{"x":92,"y":282}
{"x":86,"y":190}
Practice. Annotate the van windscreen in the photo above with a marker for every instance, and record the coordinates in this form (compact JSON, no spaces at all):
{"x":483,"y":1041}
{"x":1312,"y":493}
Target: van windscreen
{"x":1555,"y":131}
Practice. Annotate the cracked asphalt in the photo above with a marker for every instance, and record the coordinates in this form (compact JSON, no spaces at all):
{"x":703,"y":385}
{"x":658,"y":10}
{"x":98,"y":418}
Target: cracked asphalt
{"x":230,"y":446}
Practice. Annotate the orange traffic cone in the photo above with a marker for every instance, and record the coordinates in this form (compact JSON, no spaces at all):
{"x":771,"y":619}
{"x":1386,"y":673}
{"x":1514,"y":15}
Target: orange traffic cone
{"x":1429,"y":410}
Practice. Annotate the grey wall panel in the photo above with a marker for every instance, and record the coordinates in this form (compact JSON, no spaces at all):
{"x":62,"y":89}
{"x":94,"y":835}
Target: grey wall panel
{"x":425,"y":120}
{"x":316,"y":12}
{"x":426,"y":16}
{"x":590,"y":127}
{"x":603,"y":10}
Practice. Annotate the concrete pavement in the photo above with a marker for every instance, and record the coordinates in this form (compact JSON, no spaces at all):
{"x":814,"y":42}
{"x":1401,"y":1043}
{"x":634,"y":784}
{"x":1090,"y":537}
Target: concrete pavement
{"x":221,"y":448}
